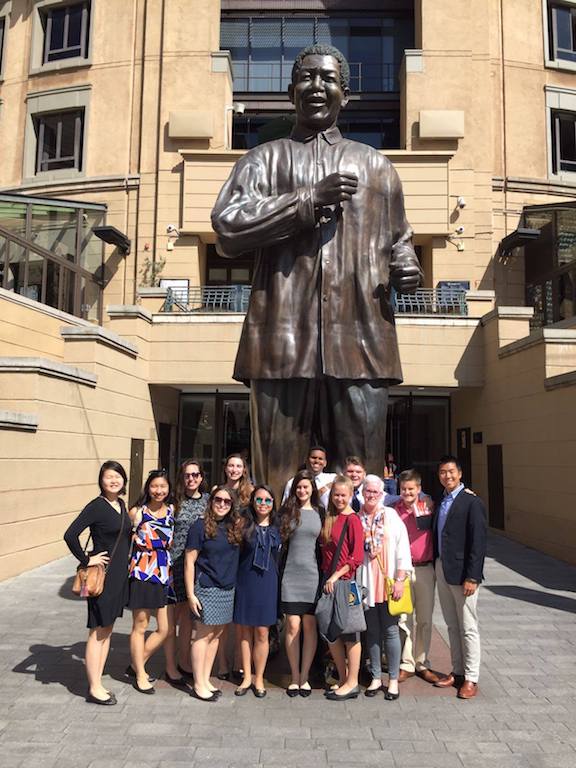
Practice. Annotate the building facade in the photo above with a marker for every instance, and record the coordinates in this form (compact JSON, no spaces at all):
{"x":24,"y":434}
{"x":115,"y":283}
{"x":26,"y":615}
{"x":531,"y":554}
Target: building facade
{"x":119,"y":323}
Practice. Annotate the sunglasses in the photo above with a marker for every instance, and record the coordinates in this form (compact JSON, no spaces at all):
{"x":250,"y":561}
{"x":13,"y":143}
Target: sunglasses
{"x":260,"y":500}
{"x":193,"y":475}
{"x":222,"y":501}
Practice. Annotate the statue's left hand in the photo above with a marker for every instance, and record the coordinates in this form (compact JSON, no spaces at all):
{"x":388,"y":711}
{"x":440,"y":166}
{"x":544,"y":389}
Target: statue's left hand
{"x":405,"y":278}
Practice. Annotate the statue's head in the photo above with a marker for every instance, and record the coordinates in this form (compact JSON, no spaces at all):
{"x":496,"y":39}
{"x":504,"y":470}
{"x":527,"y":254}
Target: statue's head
{"x":320,"y":86}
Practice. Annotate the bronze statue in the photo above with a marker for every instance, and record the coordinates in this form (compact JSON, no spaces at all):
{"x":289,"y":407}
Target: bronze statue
{"x":325,"y":216}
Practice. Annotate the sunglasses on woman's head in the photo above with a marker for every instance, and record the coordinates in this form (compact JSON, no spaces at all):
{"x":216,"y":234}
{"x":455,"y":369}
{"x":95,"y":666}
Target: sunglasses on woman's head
{"x":222,"y":500}
{"x":260,"y":500}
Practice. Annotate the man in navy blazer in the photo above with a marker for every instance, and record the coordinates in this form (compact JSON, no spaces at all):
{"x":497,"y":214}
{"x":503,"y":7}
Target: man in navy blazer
{"x":460,"y":530}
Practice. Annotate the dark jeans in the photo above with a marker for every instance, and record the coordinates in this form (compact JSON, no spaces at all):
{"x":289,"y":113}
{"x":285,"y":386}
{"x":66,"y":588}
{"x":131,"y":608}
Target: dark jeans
{"x":287,"y":416}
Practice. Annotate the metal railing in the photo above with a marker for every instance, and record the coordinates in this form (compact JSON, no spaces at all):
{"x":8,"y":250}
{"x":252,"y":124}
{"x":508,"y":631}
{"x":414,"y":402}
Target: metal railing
{"x":235,"y":298}
{"x":208,"y":298}
{"x":431,"y":301}
{"x":274,"y":77}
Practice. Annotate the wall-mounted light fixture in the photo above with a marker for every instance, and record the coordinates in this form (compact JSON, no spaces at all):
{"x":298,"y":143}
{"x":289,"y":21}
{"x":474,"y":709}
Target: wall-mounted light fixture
{"x":113,"y":236}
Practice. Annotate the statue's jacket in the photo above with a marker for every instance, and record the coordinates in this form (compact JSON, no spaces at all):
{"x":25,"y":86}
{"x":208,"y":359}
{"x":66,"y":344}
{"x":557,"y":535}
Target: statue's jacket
{"x":319,"y":303}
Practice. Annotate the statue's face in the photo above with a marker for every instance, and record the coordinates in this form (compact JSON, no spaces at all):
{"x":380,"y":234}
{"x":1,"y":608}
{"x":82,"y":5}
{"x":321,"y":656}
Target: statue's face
{"x":317,"y":93}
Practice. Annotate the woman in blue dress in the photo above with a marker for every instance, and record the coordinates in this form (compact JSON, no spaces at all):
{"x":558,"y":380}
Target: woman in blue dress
{"x":256,"y":599}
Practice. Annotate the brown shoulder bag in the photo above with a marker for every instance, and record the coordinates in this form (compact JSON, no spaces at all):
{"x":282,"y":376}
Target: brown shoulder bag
{"x":89,"y":579}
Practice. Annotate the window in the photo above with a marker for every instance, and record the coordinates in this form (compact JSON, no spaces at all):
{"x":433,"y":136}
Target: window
{"x":5,"y":10}
{"x":65,"y":31}
{"x":2,"y":28}
{"x":56,"y":133}
{"x":550,"y":262}
{"x":221,"y":271}
{"x":263,"y":48}
{"x":61,"y":35}
{"x":48,"y":253}
{"x":563,"y":141}
{"x":59,"y":140}
{"x":562,"y":31}
{"x":380,"y":130}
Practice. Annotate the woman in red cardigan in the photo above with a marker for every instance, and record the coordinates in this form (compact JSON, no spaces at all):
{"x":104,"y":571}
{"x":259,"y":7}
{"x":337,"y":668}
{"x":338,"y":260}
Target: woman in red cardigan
{"x":346,"y":650}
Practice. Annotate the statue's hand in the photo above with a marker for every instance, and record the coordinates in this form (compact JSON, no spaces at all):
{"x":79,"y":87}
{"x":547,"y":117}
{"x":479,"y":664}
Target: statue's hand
{"x":405,"y":278}
{"x":335,"y":188}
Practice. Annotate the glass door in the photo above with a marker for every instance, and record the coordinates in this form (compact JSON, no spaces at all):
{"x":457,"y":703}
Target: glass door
{"x":212,"y":426}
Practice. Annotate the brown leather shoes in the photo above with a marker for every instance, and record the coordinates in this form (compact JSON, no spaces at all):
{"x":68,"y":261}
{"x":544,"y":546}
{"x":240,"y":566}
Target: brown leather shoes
{"x":428,"y":676}
{"x":467,"y":690}
{"x":404,"y":675}
{"x":450,"y":681}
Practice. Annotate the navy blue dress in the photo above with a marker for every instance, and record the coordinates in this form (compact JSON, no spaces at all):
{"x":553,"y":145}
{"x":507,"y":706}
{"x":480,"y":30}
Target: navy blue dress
{"x":256,"y":600}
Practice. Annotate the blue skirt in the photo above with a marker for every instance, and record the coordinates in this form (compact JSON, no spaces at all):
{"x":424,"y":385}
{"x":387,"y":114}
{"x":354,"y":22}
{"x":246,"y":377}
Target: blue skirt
{"x":217,"y":604}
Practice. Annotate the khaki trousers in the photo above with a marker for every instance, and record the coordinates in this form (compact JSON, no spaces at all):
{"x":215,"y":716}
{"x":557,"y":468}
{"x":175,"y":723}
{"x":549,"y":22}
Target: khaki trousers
{"x":460,"y":615}
{"x":416,"y":627}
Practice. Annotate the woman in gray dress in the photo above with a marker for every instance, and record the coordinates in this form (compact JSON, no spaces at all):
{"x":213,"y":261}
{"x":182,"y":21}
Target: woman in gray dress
{"x":192,"y":500}
{"x":301,"y":518}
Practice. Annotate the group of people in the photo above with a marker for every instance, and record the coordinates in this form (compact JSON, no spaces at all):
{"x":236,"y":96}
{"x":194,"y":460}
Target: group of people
{"x":202,"y":562}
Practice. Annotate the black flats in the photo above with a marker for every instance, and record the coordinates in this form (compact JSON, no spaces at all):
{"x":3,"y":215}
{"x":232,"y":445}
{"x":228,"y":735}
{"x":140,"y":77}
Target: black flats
{"x":371,"y":692}
{"x":260,"y":693}
{"x":391,"y":696}
{"x":147,"y":691}
{"x":109,"y":702}
{"x":184,"y":672}
{"x":176,"y":682}
{"x":242,"y":690}
{"x":211,"y":699}
{"x":130,"y":672}
{"x":293,"y":690}
{"x":335,"y":696}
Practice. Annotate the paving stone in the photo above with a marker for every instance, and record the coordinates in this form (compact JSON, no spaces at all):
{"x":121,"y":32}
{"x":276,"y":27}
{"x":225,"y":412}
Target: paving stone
{"x":442,"y":760}
{"x":523,"y":717}
{"x":228,"y":756}
{"x":360,"y":757}
{"x":291,"y":757}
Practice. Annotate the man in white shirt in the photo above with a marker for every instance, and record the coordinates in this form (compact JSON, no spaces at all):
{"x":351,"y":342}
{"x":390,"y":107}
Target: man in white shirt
{"x":316,"y":462}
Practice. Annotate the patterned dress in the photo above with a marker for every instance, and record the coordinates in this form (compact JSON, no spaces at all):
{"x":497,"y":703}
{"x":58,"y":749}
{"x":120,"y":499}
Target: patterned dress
{"x":190,"y":510}
{"x":150,"y":565}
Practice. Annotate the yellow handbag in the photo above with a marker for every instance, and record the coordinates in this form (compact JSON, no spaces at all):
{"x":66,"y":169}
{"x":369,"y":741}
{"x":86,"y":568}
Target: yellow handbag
{"x":404,"y":605}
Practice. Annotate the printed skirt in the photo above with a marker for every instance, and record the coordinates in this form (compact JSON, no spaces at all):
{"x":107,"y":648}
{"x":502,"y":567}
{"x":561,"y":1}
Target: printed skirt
{"x":217,"y":604}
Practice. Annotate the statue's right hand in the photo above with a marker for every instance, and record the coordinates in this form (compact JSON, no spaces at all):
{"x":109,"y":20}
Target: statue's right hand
{"x":335,"y":188}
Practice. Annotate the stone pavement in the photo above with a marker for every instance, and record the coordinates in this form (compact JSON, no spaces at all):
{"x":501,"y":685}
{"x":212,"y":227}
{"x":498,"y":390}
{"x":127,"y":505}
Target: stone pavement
{"x":524,"y":715}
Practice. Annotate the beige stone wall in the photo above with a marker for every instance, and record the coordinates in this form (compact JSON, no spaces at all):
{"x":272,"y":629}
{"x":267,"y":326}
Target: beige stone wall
{"x":536,"y":427}
{"x":49,"y":474}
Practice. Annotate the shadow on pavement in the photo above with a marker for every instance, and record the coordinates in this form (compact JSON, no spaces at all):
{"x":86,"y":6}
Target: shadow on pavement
{"x":66,"y":593}
{"x":64,"y":664}
{"x":532,"y":564}
{"x":545,"y":599}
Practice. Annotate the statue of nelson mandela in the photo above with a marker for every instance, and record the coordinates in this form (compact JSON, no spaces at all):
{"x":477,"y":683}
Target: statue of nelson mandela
{"x":325,"y":217}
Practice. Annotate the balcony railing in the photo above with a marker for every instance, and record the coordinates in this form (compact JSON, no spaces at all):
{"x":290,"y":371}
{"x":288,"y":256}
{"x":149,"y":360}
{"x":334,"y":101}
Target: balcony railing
{"x":208,"y":298}
{"x":235,"y":298}
{"x":432,"y":301}
{"x":274,"y":77}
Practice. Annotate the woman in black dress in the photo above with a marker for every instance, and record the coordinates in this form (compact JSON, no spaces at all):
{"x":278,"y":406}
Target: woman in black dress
{"x":110,"y":527}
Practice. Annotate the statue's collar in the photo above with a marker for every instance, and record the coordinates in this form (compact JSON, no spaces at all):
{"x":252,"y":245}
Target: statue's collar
{"x":332,"y":135}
